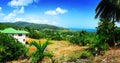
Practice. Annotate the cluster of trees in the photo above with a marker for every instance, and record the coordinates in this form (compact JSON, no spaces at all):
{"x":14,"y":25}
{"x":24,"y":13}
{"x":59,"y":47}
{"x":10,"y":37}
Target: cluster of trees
{"x":108,"y":13}
{"x":107,"y":34}
{"x":10,"y":48}
{"x":82,"y":38}
{"x":51,"y":34}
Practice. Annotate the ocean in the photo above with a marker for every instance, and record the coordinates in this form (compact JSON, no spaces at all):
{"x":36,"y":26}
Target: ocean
{"x":79,"y":29}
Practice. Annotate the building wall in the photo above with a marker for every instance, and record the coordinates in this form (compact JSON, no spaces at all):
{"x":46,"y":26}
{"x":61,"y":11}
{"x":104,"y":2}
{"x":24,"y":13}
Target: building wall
{"x":21,"y":38}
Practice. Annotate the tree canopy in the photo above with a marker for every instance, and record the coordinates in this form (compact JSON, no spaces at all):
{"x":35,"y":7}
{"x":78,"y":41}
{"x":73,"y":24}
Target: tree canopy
{"x":10,"y":48}
{"x":108,"y":9}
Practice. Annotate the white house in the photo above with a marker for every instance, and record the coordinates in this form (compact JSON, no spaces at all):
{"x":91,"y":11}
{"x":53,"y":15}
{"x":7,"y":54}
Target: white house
{"x":20,"y":35}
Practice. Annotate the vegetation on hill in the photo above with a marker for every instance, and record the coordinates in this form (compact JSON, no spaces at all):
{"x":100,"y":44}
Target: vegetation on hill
{"x":35,"y":26}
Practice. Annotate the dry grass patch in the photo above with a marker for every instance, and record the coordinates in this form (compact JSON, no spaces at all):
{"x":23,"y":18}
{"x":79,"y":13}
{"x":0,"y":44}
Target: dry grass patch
{"x":59,"y":48}
{"x":111,"y":56}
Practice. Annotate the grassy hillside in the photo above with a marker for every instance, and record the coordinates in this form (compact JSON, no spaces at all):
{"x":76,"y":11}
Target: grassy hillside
{"x":34,"y":26}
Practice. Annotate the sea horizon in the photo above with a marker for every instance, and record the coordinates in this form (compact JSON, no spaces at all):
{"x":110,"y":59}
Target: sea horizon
{"x":86,"y":29}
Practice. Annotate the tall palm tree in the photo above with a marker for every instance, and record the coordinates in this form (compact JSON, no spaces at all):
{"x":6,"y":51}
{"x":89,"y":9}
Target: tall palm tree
{"x":40,"y":53}
{"x":109,"y":9}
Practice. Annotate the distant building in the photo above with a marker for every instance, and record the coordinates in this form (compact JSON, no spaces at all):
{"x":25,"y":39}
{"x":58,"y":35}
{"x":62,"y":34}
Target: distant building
{"x":20,"y":35}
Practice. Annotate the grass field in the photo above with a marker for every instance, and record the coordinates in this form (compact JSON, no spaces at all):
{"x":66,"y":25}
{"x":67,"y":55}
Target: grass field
{"x":59,"y":48}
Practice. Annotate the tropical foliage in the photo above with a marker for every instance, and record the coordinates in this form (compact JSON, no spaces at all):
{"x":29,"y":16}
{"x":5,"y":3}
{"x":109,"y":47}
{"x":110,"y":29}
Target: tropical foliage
{"x":34,"y":26}
{"x":85,"y":54}
{"x":108,"y":10}
{"x":104,"y":31}
{"x":40,"y":53}
{"x":98,"y":46}
{"x":82,"y":38}
{"x":10,"y":48}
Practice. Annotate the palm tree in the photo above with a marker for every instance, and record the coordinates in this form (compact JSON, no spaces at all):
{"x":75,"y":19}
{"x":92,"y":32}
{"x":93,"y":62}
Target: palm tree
{"x":40,"y":53}
{"x":110,"y":10}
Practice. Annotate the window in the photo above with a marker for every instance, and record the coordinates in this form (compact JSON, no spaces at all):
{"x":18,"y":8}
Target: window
{"x":26,"y":42}
{"x":19,"y":34}
{"x":23,"y":39}
{"x":12,"y":34}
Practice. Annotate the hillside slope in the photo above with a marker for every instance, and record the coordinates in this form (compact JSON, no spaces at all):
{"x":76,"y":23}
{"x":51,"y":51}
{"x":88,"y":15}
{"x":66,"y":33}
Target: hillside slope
{"x":33,"y":25}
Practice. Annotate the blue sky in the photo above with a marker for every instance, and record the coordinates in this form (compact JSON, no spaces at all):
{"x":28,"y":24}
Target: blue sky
{"x":64,"y":13}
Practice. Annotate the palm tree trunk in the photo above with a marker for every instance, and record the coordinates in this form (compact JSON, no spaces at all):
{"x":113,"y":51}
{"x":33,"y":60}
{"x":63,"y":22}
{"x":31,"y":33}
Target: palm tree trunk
{"x":113,"y":33}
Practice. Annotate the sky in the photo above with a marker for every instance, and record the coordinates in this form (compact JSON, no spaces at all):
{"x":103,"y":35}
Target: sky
{"x":63,"y":13}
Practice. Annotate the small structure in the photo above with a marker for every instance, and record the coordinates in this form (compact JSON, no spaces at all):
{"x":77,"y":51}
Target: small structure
{"x":20,"y":35}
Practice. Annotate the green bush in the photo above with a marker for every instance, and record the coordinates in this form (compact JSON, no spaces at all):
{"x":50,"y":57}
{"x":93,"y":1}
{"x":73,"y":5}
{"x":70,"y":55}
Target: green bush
{"x":82,"y":38}
{"x":10,"y":48}
{"x":85,"y":54}
{"x":98,"y":46}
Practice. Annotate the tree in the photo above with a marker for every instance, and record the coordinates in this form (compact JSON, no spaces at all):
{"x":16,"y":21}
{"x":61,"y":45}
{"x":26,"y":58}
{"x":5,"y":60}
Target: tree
{"x":10,"y":48}
{"x":98,"y":46}
{"x":82,"y":38}
{"x":110,"y":10}
{"x":104,"y":31}
{"x":40,"y":53}
{"x":117,"y":34}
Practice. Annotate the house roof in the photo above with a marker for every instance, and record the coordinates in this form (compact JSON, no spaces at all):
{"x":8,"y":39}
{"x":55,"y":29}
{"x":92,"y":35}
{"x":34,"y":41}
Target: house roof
{"x":11,"y":30}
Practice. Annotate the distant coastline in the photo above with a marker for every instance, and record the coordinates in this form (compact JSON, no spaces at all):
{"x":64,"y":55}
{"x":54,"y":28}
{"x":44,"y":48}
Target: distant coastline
{"x":79,"y":29}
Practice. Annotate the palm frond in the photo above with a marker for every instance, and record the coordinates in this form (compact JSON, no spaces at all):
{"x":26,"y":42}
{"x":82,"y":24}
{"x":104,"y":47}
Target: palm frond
{"x":37,"y":45}
{"x":48,"y":54}
{"x":44,"y":45}
{"x":39,"y":54}
{"x":108,"y":9}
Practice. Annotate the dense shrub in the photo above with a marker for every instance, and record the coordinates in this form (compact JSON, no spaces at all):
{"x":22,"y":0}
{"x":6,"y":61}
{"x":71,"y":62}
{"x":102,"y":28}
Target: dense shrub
{"x":35,"y":34}
{"x":106,"y":32}
{"x":117,"y":34}
{"x":98,"y":46}
{"x":10,"y":48}
{"x":82,"y":38}
{"x":85,"y":54}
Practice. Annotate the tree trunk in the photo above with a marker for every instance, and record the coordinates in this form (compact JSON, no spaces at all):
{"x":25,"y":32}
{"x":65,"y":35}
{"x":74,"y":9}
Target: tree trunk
{"x":113,"y":33}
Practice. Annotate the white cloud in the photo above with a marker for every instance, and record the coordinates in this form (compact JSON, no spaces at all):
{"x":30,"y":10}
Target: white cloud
{"x":19,"y":8}
{"x":51,"y":12}
{"x":56,"y":12}
{"x":61,"y":11}
{"x":54,"y":23}
{"x":33,"y":20}
{"x":0,"y":9}
{"x":14,"y":13}
{"x":1,"y":14}
{"x":36,"y":1}
{"x":15,"y":3}
{"x":21,"y":11}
